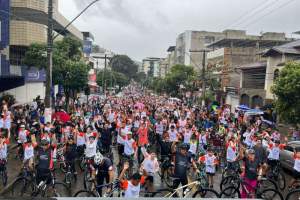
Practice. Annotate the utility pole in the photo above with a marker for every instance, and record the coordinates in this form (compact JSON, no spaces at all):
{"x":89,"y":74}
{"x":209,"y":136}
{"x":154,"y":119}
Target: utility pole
{"x":204,"y":51}
{"x":48,"y":101}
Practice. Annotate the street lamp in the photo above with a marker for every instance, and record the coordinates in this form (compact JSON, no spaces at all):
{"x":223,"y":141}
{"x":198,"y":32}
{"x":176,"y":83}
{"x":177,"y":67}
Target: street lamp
{"x":50,"y":39}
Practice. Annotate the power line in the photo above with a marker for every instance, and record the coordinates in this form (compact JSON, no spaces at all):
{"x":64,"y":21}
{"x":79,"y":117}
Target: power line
{"x":270,"y":12}
{"x":258,"y":11}
{"x":245,"y":14}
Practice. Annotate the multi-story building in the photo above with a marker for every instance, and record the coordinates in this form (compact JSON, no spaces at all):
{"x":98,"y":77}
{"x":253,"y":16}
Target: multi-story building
{"x":163,"y":67}
{"x":230,"y":54}
{"x":189,"y":45}
{"x":171,"y":57}
{"x":151,"y":66}
{"x":28,"y":24}
{"x":8,"y":79}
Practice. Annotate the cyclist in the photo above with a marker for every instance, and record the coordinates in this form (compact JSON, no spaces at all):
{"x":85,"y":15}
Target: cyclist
{"x":3,"y":150}
{"x":296,"y":174}
{"x":132,"y":187}
{"x":22,"y":139}
{"x":232,"y":153}
{"x":104,"y":168}
{"x":45,"y":162}
{"x":210,"y":161}
{"x":71,"y":153}
{"x":90,"y":152}
{"x":150,"y":167}
{"x":273,"y":156}
{"x":182,"y":163}
{"x":251,"y":171}
{"x":29,"y":154}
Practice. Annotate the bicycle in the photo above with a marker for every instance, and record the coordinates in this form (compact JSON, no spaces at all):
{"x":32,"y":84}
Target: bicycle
{"x":70,"y":176}
{"x":294,"y":190}
{"x":3,"y":171}
{"x":231,"y":168}
{"x":234,"y":191}
{"x":235,"y":180}
{"x":28,"y":187}
{"x":115,"y":187}
{"x":193,"y":189}
{"x":275,"y":173}
{"x":166,"y":170}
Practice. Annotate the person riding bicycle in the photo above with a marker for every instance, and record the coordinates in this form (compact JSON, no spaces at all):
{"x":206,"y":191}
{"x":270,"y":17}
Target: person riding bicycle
{"x":130,"y":147}
{"x":131,"y":187}
{"x":210,"y":161}
{"x":71,"y":153}
{"x":29,"y":154}
{"x":182,"y":163}
{"x":22,"y":139}
{"x":45,"y":162}
{"x":273,"y":156}
{"x":251,"y":171}
{"x":296,"y":172}
{"x":150,"y":167}
{"x":3,"y":149}
{"x":104,"y":168}
{"x":90,"y":152}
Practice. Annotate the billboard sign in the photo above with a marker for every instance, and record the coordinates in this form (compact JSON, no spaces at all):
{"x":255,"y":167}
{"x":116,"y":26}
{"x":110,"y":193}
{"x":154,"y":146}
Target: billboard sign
{"x":35,"y":75}
{"x":87,"y":47}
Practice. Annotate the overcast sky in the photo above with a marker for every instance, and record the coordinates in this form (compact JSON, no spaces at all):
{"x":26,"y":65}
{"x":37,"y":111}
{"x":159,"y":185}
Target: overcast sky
{"x":143,"y":28}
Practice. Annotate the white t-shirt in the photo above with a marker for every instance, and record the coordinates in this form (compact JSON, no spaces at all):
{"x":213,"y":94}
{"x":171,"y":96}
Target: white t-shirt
{"x":187,"y":136}
{"x":3,"y":151}
{"x":173,"y":135}
{"x":132,"y":191}
{"x":209,"y":164}
{"x":28,"y":152}
{"x":230,"y":154}
{"x":274,"y":153}
{"x":91,"y":149}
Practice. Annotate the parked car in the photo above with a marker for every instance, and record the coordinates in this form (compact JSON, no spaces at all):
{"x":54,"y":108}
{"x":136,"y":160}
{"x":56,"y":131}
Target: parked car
{"x":287,"y":155}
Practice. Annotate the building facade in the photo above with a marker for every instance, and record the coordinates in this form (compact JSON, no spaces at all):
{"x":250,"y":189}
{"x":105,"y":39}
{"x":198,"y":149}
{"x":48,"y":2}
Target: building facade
{"x":28,"y":24}
{"x":229,"y":53}
{"x":151,"y":66}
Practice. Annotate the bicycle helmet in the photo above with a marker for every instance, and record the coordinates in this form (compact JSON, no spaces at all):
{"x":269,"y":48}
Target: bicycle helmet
{"x":44,"y":142}
{"x":98,"y":158}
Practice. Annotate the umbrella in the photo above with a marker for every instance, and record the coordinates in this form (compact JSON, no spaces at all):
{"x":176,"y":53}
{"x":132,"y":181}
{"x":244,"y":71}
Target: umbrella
{"x":254,"y":112}
{"x":62,"y":116}
{"x":243,"y":107}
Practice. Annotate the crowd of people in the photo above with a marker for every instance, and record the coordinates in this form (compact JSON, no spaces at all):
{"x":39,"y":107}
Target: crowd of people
{"x":146,"y":130}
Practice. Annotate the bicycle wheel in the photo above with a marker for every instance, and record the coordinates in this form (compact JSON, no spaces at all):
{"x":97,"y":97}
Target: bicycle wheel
{"x":281,"y":181}
{"x":59,"y":189}
{"x":266,"y":183}
{"x":166,"y":192}
{"x":87,"y":183}
{"x":270,"y":194}
{"x":293,"y":195}
{"x":84,"y":193}
{"x":229,"y":181}
{"x":21,"y":188}
{"x":230,"y":192}
{"x":206,"y":193}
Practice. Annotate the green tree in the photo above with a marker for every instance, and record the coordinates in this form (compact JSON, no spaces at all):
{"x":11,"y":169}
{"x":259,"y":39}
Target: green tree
{"x":73,"y":76}
{"x":180,"y":75}
{"x":68,"y":68}
{"x":123,"y":64}
{"x":112,"y":78}
{"x":287,"y":90}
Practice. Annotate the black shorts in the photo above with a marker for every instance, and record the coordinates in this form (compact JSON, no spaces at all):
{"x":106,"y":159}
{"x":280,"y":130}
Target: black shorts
{"x":210,"y":174}
{"x":296,"y":174}
{"x":272,"y":163}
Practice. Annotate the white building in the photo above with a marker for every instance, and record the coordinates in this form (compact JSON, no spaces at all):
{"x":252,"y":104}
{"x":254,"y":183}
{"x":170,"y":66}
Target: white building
{"x":151,"y":66}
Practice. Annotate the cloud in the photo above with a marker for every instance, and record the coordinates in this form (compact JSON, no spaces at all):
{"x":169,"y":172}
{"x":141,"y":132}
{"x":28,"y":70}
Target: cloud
{"x":142,"y":28}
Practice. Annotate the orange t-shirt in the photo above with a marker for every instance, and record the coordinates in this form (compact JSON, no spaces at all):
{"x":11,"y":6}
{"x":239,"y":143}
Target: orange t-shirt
{"x":143,"y":136}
